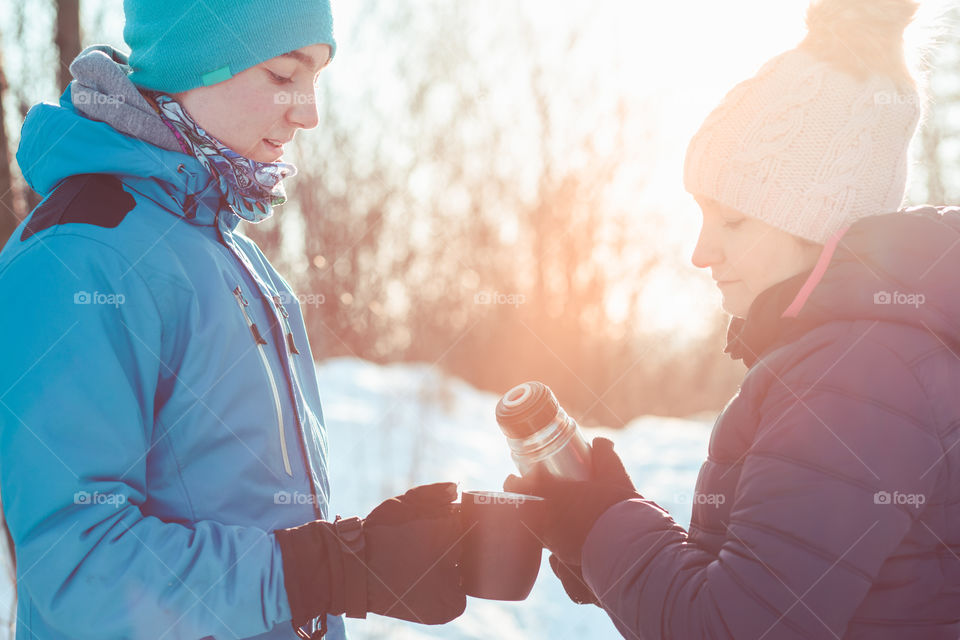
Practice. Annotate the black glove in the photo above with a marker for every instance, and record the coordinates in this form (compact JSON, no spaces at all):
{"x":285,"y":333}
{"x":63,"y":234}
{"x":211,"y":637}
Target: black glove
{"x":571,"y":575}
{"x":400,"y":561}
{"x":574,"y":506}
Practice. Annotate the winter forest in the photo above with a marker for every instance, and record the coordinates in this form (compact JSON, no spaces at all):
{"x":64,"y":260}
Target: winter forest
{"x":503,"y":199}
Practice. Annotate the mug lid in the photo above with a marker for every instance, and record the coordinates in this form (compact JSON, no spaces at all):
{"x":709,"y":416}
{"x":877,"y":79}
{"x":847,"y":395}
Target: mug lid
{"x":526,"y":409}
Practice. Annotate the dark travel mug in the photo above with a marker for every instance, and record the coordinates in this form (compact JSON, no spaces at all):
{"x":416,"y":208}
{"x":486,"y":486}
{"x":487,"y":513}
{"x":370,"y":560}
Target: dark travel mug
{"x":500,"y":556}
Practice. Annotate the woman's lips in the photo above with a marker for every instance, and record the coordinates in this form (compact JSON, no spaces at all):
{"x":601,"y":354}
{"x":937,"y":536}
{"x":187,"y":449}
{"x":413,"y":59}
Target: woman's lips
{"x":274,"y":146}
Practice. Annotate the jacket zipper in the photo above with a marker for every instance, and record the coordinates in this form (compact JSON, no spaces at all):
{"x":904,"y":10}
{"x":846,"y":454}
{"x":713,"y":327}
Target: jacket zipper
{"x":238,"y":294}
{"x":286,"y":324}
{"x":290,"y":376}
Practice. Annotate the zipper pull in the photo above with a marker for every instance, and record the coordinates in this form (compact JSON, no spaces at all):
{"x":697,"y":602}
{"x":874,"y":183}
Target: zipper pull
{"x":280,"y":307}
{"x":286,"y":325}
{"x":256,"y":334}
{"x":292,"y":344}
{"x":238,"y":294}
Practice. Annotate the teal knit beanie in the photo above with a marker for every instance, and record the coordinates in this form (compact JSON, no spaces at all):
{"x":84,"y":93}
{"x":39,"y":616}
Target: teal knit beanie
{"x":176,"y":45}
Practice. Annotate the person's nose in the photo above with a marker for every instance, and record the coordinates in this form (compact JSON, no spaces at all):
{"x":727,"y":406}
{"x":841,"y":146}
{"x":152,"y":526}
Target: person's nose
{"x":707,"y":252}
{"x":303,"y":112}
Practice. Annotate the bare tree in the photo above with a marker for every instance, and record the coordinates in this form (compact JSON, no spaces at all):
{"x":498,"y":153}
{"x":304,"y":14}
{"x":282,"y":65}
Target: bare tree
{"x":939,"y":135}
{"x":67,"y":38}
{"x":9,"y":219}
{"x":399,"y":273}
{"x":34,"y":78}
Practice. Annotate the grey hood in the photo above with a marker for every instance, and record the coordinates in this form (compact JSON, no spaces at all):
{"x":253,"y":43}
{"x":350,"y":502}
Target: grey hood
{"x":102,"y":91}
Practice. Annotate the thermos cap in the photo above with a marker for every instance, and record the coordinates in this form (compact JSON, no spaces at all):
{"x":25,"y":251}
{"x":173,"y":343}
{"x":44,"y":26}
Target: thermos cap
{"x":526,"y":409}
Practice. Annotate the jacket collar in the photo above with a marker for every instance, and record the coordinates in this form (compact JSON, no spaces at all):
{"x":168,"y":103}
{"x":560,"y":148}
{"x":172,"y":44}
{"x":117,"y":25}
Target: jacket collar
{"x":898,"y":268}
{"x":764,"y":327}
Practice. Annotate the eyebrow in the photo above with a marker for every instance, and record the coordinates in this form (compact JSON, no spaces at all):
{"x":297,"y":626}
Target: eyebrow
{"x":307,"y":60}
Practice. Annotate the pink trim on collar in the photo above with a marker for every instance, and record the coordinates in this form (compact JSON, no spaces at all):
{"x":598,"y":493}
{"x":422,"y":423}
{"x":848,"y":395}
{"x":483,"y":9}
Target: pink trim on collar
{"x":825,"y":256}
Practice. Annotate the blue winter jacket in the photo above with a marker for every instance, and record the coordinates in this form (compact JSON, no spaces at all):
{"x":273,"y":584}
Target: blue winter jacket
{"x":829,"y":504}
{"x":159,"y":410}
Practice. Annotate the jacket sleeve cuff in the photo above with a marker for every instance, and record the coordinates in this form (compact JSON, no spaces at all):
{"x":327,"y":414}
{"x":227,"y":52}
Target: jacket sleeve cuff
{"x":307,"y":572}
{"x":605,"y":551}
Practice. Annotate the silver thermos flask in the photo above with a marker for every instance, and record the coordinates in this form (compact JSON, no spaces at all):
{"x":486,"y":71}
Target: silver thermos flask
{"x":541,"y":435}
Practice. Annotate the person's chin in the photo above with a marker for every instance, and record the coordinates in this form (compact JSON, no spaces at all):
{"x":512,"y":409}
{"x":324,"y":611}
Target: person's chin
{"x":734,"y":307}
{"x":267,"y":156}
{"x":262,"y":152}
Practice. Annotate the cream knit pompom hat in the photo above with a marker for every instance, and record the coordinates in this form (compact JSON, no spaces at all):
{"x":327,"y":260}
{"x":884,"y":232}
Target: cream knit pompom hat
{"x":819,"y":137}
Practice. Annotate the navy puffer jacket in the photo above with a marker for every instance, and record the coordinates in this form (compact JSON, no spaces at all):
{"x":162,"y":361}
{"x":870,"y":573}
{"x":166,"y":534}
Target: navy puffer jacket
{"x":829,"y":504}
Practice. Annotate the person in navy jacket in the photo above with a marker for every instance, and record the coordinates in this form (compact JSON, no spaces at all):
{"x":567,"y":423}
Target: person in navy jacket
{"x":163,"y":456}
{"x":829,"y":503}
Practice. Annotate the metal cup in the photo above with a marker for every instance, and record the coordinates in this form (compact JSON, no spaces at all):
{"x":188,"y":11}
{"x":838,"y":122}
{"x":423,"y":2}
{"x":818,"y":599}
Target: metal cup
{"x":500,"y":556}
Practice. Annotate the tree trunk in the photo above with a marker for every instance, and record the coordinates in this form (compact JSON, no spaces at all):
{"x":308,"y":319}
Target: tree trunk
{"x":67,"y":38}
{"x":9,"y":219}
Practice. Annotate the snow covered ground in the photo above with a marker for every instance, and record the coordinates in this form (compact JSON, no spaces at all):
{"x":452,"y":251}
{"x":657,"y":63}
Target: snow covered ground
{"x":396,"y":426}
{"x":392,"y":427}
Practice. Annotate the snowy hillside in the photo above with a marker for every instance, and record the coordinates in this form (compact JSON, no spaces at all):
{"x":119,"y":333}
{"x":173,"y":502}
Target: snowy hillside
{"x":396,"y":426}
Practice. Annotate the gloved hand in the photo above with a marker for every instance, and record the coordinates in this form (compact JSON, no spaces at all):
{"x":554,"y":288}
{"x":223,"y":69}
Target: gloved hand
{"x":574,"y":506}
{"x":399,"y":561}
{"x":571,"y":577}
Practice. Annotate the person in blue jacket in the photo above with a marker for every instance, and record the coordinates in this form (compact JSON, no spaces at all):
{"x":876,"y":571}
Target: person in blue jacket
{"x":163,"y":457}
{"x":829,"y":503}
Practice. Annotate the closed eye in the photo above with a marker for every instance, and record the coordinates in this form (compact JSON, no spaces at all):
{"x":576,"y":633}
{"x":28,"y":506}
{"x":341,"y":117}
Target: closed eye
{"x":733,"y":224}
{"x":278,"y":79}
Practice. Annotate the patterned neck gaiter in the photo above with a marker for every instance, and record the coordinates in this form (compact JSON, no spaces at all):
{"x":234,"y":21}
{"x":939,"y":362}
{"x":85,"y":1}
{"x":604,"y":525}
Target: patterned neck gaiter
{"x":251,"y":187}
